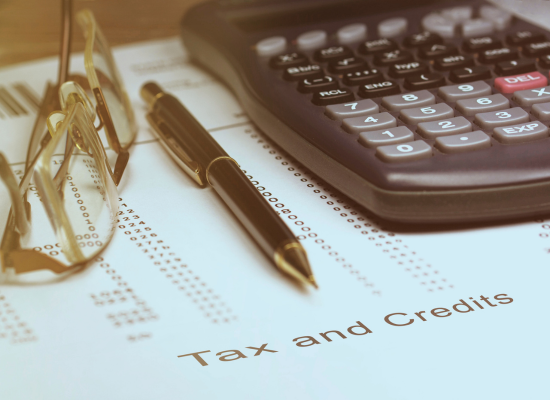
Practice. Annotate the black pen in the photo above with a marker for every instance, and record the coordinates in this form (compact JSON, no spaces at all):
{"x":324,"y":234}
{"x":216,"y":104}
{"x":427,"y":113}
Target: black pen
{"x":196,"y":151}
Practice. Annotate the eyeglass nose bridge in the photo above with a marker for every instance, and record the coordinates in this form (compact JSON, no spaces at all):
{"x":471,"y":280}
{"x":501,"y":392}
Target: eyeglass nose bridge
{"x":70,"y":93}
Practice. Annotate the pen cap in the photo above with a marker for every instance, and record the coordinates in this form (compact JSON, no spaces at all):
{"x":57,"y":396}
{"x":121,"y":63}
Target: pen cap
{"x":150,"y":92}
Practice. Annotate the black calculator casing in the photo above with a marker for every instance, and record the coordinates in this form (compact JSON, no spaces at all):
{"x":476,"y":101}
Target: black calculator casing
{"x":500,"y":182}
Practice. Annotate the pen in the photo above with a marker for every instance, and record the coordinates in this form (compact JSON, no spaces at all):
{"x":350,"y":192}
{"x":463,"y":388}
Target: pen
{"x":198,"y":154}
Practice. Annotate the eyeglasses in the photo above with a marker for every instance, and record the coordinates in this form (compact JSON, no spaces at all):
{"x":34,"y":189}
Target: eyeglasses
{"x":72,"y":174}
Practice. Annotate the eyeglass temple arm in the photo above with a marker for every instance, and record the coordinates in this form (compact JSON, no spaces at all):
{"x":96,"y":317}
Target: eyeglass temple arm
{"x":65,"y":51}
{"x":19,"y":206}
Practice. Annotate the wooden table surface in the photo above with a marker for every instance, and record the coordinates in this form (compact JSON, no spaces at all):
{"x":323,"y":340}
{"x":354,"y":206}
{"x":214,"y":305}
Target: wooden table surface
{"x":31,"y":29}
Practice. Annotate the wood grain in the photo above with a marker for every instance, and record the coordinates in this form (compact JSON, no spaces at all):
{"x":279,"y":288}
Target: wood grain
{"x":31,"y":29}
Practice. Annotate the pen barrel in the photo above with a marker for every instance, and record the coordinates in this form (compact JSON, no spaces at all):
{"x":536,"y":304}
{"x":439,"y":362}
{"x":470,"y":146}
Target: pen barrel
{"x":249,"y":206}
{"x":188,"y":132}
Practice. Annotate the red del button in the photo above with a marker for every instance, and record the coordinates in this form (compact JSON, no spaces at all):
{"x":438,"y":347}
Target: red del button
{"x":510,"y":84}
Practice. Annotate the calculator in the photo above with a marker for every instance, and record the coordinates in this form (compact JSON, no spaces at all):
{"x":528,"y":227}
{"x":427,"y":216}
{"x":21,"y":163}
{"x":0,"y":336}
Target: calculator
{"x":421,"y":111}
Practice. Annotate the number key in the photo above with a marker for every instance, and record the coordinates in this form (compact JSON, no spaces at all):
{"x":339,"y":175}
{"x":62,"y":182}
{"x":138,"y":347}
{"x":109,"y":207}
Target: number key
{"x":414,"y":116}
{"x":385,"y":137}
{"x":451,"y":126}
{"x":414,"y":99}
{"x":411,"y":151}
{"x":494,"y":119}
{"x":470,"y":107}
{"x":454,"y":93}
{"x":357,"y":108}
{"x":371,"y":123}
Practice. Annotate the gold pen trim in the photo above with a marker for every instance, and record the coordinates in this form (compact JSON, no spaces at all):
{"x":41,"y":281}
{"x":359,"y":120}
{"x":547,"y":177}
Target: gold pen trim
{"x":301,"y":271}
{"x":218,"y":159}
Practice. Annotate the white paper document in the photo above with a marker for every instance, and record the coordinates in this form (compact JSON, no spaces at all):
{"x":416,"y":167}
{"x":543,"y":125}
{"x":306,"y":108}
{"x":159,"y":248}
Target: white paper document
{"x":183,"y":305}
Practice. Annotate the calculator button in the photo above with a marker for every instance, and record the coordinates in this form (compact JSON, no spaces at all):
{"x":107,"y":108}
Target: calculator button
{"x":334,"y":96}
{"x":424,"y":81}
{"x":412,"y":68}
{"x":370,"y":123}
{"x":353,"y":109}
{"x":523,"y":37}
{"x":458,"y":14}
{"x":437,"y":24}
{"x":477,"y":27}
{"x":333,"y":53}
{"x":379,"y":89}
{"x":544,"y":61}
{"x":497,"y":55}
{"x":362,"y":77}
{"x":422,"y":39}
{"x":311,"y":40}
{"x":454,"y":93}
{"x":392,"y":27}
{"x":470,"y":107}
{"x":385,"y":137}
{"x":377,"y":46}
{"x":453,"y":62}
{"x":406,"y":152}
{"x":352,"y":33}
{"x":510,"y":84}
{"x":520,"y":133}
{"x":349,"y":64}
{"x":311,"y":71}
{"x":409,"y":100}
{"x":310,"y":85}
{"x":536,"y":49}
{"x":501,"y":19}
{"x":415,"y":116}
{"x":271,"y":46}
{"x":529,"y":97}
{"x":288,"y":60}
{"x":476,"y":44}
{"x":437,"y":50}
{"x":495,"y":119}
{"x":463,"y":75}
{"x":515,"y":67}
{"x":541,"y":111}
{"x":447,"y":127}
{"x":463,"y":142}
{"x":393,"y":57}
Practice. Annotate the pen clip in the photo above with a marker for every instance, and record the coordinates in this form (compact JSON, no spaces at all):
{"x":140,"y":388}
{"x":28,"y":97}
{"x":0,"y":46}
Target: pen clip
{"x":184,"y":161}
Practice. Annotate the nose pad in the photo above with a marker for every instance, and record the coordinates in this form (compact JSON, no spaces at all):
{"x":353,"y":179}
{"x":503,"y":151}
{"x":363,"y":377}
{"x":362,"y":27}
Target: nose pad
{"x":54,"y":120}
{"x":70,"y":93}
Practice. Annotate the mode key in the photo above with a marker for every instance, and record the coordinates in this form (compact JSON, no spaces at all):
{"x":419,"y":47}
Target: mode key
{"x":335,"y":96}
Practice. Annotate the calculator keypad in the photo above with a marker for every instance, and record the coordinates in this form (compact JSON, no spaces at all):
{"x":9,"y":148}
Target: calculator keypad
{"x":461,"y":85}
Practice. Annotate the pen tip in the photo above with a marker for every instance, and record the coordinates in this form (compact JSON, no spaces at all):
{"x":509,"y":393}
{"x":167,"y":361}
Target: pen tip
{"x":292,"y":259}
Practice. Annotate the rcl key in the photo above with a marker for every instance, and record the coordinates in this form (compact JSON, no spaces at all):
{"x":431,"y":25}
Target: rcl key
{"x":334,"y":96}
{"x":510,"y":84}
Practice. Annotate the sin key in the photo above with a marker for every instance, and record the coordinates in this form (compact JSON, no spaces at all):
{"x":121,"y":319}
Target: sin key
{"x":452,"y":62}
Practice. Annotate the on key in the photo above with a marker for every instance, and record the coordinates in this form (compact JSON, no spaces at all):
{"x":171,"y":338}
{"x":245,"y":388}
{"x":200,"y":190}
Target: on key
{"x":452,"y":62}
{"x":347,"y":65}
{"x":310,"y":85}
{"x":302,"y":72}
{"x":498,"y":55}
{"x":362,"y":77}
{"x":402,"y":70}
{"x":422,"y":39}
{"x":544,"y":61}
{"x":377,"y":46}
{"x":464,"y":75}
{"x":524,"y":37}
{"x":393,"y":57}
{"x":424,"y":81}
{"x":378,"y":89}
{"x":334,"y":96}
{"x":437,"y":50}
{"x":333,"y":53}
{"x":515,"y":67}
{"x":288,"y":60}
{"x":476,"y":44}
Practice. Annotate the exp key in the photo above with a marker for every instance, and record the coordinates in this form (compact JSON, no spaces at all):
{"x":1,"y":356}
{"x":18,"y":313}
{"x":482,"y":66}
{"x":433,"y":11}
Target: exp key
{"x":510,"y":84}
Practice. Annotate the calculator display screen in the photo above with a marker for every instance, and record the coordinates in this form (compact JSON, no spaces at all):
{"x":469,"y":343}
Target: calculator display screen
{"x":296,"y":13}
